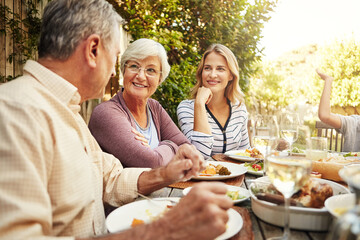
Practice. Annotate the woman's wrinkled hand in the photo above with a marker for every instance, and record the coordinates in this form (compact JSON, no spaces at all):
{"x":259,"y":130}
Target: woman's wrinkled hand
{"x":140,"y":137}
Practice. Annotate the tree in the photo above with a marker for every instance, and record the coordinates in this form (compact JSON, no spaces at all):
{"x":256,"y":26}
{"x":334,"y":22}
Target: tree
{"x":187,"y":27}
{"x":341,"y":59}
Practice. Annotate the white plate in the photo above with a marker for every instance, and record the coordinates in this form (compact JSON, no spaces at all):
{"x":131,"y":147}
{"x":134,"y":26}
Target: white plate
{"x":343,"y":201}
{"x":121,"y":218}
{"x":242,"y":192}
{"x":302,"y":218}
{"x":251,"y":171}
{"x":235,"y":169}
{"x":232,"y":154}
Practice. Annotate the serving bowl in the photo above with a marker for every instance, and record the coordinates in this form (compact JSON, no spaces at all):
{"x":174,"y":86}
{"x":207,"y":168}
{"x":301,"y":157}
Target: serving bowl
{"x":301,"y":218}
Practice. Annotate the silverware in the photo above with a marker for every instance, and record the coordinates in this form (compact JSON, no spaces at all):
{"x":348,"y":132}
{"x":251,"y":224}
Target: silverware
{"x":156,"y":200}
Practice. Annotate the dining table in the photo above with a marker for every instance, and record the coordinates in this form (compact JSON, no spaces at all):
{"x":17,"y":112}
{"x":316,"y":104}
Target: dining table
{"x":253,"y":227}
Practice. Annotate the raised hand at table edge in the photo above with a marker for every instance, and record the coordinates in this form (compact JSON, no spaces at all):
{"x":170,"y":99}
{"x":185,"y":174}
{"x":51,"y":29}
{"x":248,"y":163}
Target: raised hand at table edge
{"x":187,"y":163}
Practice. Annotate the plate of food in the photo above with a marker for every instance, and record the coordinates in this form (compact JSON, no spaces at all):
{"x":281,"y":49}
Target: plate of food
{"x":307,"y":211}
{"x":255,"y":168}
{"x":146,"y":211}
{"x":297,"y":152}
{"x":340,"y":204}
{"x":221,"y":170}
{"x":237,"y":194}
{"x":247,"y":155}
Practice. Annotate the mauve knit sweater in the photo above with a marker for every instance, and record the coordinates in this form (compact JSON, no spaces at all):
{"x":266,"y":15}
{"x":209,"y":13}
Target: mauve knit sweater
{"x":111,"y":123}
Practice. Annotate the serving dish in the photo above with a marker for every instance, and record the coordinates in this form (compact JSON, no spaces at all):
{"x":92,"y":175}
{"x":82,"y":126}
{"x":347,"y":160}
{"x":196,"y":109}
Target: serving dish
{"x":301,"y":218}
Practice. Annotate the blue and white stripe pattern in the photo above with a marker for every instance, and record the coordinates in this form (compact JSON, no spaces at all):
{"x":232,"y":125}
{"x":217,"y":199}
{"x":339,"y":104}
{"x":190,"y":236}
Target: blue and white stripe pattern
{"x":233,"y":136}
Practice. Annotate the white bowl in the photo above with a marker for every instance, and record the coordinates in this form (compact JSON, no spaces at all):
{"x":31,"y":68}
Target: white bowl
{"x":340,"y":203}
{"x":302,"y":218}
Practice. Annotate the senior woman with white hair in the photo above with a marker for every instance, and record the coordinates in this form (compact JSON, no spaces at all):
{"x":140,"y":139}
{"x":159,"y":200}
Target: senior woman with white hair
{"x":131,"y":125}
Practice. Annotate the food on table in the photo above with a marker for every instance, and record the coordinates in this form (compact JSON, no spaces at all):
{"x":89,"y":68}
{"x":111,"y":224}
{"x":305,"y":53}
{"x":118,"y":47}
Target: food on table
{"x":315,"y":174}
{"x":329,"y":167}
{"x":352,"y":154}
{"x":313,"y":194}
{"x":212,"y":169}
{"x":297,"y":150}
{"x":234,"y":195}
{"x":137,"y":222}
{"x":255,"y":166}
{"x":254,"y":153}
{"x":341,"y":210}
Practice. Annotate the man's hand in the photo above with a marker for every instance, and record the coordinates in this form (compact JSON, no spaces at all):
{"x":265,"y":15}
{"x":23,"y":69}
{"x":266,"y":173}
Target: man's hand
{"x":201,"y":214}
{"x":187,"y":163}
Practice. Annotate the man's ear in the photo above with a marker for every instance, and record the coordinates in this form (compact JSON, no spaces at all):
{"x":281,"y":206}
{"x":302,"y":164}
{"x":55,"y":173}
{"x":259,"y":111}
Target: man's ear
{"x":92,"y":49}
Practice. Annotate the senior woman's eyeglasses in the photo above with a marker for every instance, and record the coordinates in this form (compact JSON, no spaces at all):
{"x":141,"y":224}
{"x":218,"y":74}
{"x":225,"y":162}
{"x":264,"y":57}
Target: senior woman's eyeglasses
{"x":150,"y":72}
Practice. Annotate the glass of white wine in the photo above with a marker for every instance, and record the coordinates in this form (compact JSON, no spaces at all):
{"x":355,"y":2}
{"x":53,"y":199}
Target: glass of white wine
{"x":288,"y":174}
{"x":289,"y":123}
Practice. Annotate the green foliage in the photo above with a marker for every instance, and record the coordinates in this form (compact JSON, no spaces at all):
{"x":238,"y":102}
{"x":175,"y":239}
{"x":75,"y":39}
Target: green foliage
{"x":24,"y":32}
{"x":268,"y":92}
{"x":176,"y":87}
{"x":340,"y":59}
{"x":187,"y":27}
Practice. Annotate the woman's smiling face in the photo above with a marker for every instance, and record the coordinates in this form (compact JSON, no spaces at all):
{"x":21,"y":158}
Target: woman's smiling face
{"x":141,"y":85}
{"x":216,"y":73}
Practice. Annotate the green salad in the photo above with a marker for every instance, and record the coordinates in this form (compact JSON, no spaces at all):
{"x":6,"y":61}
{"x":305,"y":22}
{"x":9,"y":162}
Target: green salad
{"x":234,"y":195}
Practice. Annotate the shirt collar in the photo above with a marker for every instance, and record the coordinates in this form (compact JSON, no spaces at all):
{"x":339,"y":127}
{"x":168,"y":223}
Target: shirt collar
{"x":58,"y":86}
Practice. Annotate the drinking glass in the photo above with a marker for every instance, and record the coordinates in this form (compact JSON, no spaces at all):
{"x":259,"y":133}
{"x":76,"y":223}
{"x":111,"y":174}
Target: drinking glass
{"x":265,"y":127}
{"x":289,"y":123}
{"x":288,"y":174}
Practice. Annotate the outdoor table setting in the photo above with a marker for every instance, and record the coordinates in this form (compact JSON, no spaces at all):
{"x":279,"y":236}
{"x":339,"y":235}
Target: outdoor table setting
{"x":260,"y":215}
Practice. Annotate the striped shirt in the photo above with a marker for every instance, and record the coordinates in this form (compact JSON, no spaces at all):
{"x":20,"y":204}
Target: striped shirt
{"x":232,"y":136}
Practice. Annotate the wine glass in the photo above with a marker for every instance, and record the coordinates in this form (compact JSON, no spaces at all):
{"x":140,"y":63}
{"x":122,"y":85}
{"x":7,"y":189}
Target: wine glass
{"x":289,"y":123}
{"x":288,"y":174}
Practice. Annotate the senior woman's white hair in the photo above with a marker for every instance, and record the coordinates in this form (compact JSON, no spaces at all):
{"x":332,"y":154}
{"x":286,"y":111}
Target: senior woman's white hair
{"x":143,"y":48}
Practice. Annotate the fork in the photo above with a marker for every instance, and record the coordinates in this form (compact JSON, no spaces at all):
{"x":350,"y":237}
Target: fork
{"x":173,"y":202}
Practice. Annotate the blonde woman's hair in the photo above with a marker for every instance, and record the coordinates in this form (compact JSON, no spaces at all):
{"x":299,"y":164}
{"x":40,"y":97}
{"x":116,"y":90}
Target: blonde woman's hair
{"x":232,"y":91}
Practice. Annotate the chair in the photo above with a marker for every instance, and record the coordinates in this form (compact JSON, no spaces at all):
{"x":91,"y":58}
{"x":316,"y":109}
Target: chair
{"x":335,"y":139}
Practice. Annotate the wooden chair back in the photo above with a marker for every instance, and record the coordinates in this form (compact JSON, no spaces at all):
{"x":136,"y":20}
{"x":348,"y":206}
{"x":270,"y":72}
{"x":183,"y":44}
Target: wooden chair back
{"x":335,"y":139}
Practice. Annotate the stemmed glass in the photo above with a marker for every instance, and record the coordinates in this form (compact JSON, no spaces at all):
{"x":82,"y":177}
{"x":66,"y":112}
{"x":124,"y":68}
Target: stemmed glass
{"x":288,"y":174}
{"x":289,"y":123}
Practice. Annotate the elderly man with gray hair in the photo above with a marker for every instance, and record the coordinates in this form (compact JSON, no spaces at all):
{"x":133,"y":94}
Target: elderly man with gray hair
{"x":54,"y":177}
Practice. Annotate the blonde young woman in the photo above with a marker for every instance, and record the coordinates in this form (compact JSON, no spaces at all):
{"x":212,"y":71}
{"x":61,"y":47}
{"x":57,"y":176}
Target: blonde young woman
{"x":215,"y":119}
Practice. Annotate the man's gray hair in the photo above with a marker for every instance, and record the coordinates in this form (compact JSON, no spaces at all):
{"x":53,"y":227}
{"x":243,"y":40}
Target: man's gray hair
{"x":66,"y":23}
{"x":143,"y":48}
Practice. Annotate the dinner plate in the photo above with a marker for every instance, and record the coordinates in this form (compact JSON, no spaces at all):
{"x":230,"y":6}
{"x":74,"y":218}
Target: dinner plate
{"x":235,"y":169}
{"x":233,"y":154}
{"x":242,"y":192}
{"x":121,"y":218}
{"x":253,"y":172}
{"x":302,"y":218}
{"x":339,"y":204}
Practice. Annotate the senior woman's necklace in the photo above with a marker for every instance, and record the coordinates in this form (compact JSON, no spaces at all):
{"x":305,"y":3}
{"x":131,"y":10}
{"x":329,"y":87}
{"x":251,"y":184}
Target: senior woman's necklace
{"x":147,"y":118}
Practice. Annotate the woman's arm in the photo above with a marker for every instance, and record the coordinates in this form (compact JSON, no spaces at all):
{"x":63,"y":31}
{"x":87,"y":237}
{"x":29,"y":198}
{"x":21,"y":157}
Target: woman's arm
{"x":203,"y":142}
{"x":111,"y":127}
{"x":325,"y":114}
